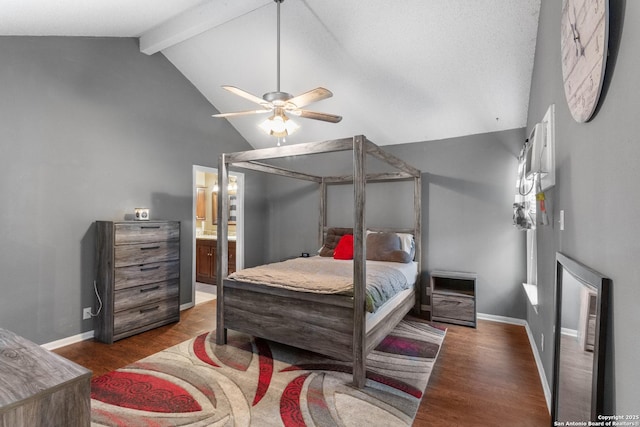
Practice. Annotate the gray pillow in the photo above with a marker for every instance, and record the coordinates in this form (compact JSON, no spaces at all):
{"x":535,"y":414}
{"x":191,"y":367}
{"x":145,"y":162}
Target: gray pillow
{"x":331,"y":240}
{"x":386,"y":247}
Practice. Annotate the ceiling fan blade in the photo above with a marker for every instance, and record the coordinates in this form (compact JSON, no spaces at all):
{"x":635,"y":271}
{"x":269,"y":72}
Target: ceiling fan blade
{"x":317,"y":116}
{"x":245,"y":95}
{"x":242,"y":113}
{"x":314,"y":95}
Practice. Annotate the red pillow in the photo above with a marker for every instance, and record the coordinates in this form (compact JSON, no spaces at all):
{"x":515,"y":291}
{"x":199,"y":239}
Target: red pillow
{"x":344,"y":249}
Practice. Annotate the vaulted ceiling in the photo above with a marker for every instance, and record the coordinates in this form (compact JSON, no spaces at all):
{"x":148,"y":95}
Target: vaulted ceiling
{"x":400,"y":71}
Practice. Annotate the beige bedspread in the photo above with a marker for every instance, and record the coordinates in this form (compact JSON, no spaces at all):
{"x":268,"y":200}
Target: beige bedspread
{"x":326,"y":276}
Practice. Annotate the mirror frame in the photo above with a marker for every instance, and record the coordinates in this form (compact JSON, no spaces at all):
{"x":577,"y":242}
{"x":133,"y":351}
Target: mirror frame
{"x":601,"y":285}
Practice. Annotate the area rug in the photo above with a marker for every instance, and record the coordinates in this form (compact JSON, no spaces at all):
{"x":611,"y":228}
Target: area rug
{"x":255,"y":382}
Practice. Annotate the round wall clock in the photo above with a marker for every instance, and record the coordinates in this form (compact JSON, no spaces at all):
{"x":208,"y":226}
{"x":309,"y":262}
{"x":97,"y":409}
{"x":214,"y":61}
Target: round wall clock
{"x":584,"y":38}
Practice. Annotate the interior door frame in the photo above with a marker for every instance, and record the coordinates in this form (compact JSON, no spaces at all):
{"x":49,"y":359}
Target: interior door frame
{"x":239,"y":223}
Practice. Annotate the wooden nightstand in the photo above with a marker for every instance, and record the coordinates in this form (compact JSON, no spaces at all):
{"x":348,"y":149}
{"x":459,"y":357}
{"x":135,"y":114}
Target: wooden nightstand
{"x":453,"y":297}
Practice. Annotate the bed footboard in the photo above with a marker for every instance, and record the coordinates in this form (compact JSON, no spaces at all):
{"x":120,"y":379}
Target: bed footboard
{"x":319,"y":323}
{"x":316,"y":322}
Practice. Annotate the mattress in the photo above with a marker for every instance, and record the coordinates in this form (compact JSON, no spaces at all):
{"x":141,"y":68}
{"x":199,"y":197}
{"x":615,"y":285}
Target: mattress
{"x":326,"y":275}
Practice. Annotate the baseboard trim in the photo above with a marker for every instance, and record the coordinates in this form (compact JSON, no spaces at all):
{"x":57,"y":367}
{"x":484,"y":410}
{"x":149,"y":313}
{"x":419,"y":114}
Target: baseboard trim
{"x":502,"y":319}
{"x":543,"y":378}
{"x":89,"y":334}
{"x":68,"y":341}
{"x":536,"y":355}
{"x":186,"y":305}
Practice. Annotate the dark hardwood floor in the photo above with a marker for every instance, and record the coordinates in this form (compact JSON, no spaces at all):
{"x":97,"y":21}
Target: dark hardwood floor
{"x":483,"y":377}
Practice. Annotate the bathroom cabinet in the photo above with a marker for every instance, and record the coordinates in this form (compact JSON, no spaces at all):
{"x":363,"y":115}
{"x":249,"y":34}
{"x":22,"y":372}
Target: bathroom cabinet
{"x":206,"y":256}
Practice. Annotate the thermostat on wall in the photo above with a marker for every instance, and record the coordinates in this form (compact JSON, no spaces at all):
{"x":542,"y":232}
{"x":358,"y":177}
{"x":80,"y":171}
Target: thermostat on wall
{"x":141,"y":214}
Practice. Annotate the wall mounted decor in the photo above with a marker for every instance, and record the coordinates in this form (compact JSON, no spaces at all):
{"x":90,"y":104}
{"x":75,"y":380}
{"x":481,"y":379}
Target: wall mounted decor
{"x":584,"y":38}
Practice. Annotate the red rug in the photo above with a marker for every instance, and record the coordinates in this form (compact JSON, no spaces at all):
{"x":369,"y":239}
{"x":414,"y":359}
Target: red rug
{"x":255,"y":382}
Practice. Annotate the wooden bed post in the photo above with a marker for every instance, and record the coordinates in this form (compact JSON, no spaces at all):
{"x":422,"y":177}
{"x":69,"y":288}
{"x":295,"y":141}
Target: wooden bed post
{"x":222,"y":264}
{"x":359,"y":262}
{"x":323,"y":210}
{"x":417,"y":238}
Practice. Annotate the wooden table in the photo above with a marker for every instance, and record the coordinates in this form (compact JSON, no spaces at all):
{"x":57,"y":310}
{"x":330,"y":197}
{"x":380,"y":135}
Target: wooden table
{"x":40,"y":388}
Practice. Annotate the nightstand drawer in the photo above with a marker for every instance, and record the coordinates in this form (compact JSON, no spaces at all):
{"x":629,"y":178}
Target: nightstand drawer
{"x":456,"y":307}
{"x":140,"y":317}
{"x":143,"y":295}
{"x":143,"y":232}
{"x":146,"y":253}
{"x":136,"y":275}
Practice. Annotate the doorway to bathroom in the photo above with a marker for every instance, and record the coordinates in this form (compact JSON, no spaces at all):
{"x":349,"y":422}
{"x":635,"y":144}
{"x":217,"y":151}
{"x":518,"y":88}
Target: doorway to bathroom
{"x":204,"y":247}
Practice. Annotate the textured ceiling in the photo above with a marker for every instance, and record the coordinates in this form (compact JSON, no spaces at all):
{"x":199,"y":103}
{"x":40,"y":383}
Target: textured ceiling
{"x":404,"y":71}
{"x":108,"y":18}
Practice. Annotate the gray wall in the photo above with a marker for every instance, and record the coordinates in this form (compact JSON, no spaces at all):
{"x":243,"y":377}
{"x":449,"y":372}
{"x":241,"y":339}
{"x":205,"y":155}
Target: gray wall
{"x":597,"y":186}
{"x":468,"y":192}
{"x":92,"y":128}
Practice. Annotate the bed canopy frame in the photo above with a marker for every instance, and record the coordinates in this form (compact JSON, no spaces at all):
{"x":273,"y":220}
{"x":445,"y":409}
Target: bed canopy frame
{"x":362,"y":340}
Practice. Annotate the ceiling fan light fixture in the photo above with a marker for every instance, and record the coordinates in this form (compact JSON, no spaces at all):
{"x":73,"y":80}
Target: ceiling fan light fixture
{"x":278,"y":102}
{"x":279,"y":125}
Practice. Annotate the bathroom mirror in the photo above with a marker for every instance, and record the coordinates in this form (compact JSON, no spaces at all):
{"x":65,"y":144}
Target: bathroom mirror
{"x":582,"y":306}
{"x":233,"y":208}
{"x":233,"y":201}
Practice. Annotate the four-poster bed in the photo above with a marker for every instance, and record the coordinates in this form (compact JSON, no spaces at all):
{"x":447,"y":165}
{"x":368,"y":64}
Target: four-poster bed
{"x":336,"y":325}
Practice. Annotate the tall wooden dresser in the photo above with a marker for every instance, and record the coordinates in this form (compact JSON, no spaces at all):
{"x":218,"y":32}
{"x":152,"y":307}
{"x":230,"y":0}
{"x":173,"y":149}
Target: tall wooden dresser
{"x":137,"y":276}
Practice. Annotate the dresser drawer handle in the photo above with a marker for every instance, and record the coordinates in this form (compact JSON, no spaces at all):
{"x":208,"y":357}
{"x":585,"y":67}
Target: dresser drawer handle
{"x":150,"y":289}
{"x":146,"y":310}
{"x":149,"y":248}
{"x":149,"y":226}
{"x":150,"y":268}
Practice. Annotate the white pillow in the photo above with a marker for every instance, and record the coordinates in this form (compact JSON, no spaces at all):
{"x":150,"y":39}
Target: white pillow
{"x":406,"y":242}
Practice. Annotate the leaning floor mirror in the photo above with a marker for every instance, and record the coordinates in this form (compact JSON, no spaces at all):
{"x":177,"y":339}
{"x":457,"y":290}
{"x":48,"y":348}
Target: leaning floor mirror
{"x":582,"y":309}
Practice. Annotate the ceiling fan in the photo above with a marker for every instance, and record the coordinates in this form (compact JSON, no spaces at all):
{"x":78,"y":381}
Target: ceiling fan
{"x":279,"y":103}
